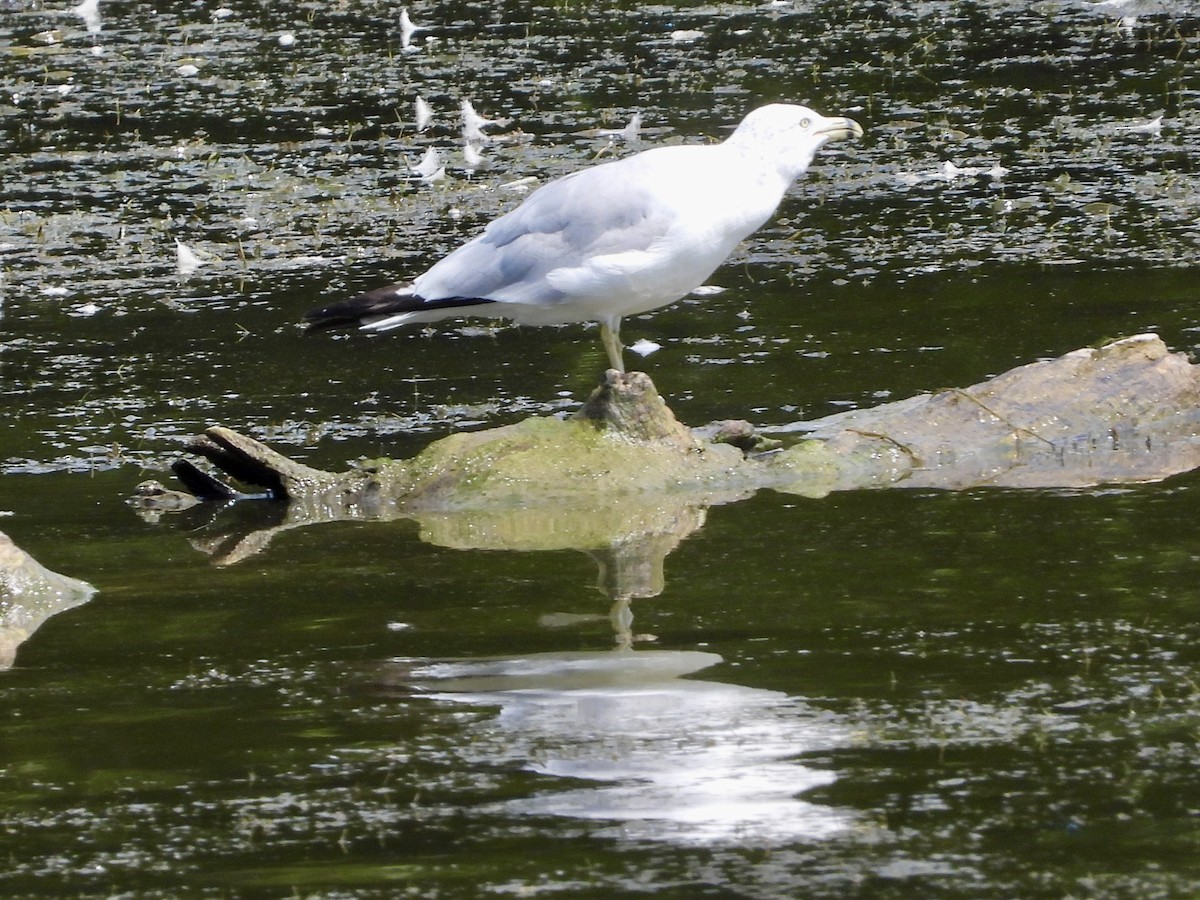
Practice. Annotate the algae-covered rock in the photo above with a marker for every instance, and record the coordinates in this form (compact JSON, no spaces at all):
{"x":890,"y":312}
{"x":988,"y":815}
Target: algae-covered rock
{"x":623,"y":472}
{"x":622,"y":479}
{"x":622,"y":443}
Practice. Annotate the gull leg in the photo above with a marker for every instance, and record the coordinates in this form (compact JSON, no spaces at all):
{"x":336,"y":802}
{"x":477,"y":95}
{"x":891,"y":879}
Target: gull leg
{"x":610,"y":336}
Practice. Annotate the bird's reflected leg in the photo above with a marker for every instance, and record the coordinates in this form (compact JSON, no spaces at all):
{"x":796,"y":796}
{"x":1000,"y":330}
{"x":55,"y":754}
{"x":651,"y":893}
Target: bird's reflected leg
{"x":610,"y":336}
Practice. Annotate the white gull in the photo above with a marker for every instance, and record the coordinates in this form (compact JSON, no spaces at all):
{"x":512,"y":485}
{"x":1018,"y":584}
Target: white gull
{"x":612,"y":240}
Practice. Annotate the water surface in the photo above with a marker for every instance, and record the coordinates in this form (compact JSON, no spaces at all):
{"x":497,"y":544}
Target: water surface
{"x":983,"y":694}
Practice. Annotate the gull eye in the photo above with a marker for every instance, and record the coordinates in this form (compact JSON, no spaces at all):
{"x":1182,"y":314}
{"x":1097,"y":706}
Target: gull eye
{"x":804,"y":123}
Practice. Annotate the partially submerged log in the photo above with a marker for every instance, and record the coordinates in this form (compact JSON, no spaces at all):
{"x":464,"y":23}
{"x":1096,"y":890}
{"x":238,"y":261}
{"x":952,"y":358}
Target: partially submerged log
{"x":624,"y":467}
{"x":1128,"y":411}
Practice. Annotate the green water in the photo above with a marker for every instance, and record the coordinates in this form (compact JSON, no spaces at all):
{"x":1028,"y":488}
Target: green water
{"x":883,"y":694}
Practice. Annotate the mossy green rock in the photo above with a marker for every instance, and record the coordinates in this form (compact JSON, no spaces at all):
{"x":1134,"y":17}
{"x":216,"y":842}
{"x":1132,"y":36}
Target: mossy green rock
{"x":551,"y":461}
{"x":623,"y":467}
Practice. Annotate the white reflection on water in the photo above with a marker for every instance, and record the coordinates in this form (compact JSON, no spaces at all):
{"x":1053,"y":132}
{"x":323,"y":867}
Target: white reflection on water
{"x":668,"y":759}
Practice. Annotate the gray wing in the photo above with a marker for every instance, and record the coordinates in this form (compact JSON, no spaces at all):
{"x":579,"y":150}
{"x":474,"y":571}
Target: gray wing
{"x":598,"y":211}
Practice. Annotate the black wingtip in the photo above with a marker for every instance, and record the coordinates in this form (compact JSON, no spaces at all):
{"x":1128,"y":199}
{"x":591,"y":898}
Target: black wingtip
{"x":387,"y":301}
{"x":326,"y":317}
{"x":380,"y":302}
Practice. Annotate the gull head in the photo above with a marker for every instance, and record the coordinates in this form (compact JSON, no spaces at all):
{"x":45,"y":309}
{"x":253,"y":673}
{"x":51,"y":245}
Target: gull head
{"x":788,"y":136}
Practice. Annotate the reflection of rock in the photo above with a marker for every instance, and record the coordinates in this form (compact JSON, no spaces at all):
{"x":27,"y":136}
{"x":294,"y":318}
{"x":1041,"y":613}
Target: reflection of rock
{"x":29,"y":595}
{"x":629,"y":540}
{"x":595,"y":525}
{"x":668,"y":759}
{"x":154,"y":498}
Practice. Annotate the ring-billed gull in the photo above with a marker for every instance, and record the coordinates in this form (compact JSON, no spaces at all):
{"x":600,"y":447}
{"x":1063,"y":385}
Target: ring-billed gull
{"x":613,"y":240}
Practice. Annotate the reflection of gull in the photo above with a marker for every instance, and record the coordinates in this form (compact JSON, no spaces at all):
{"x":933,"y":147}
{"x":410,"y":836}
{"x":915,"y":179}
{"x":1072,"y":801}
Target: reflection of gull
{"x":677,"y":760}
{"x":612,"y":240}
